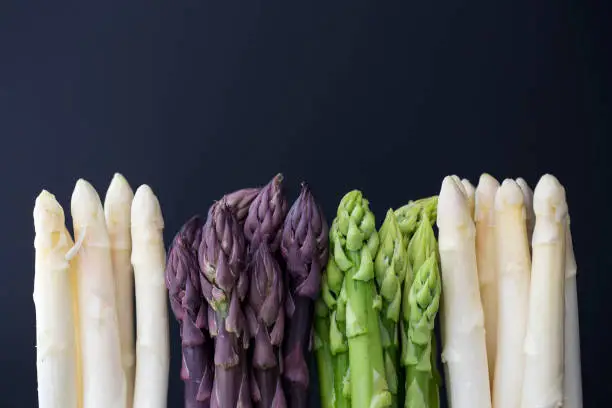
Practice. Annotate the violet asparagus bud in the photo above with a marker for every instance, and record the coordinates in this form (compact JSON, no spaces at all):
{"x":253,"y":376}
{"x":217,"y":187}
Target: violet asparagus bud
{"x":239,"y":202}
{"x":224,"y":285}
{"x":266,"y":317}
{"x":304,"y":246}
{"x":266,"y":215}
{"x":189,"y":308}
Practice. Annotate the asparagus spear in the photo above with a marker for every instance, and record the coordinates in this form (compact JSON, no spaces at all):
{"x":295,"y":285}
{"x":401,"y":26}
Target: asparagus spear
{"x":354,"y":245}
{"x":152,"y":332}
{"x":528,"y":198}
{"x":54,"y":301}
{"x":104,"y":382}
{"x":486,"y":260}
{"x":390,"y":267}
{"x":470,"y":192}
{"x":117,"y":207}
{"x":514,"y":266}
{"x":191,"y":311}
{"x":463,"y":324}
{"x":239,"y":202}
{"x":325,"y":360}
{"x":543,"y":378}
{"x":304,"y":246}
{"x":224,"y":285}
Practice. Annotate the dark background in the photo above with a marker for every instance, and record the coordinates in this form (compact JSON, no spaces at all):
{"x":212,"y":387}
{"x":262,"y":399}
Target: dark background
{"x":197,"y":98}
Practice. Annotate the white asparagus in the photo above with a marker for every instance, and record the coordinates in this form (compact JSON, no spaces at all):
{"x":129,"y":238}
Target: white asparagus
{"x":543,"y":379}
{"x":152,"y":332}
{"x":104,"y":383}
{"x":117,"y":208}
{"x":572,"y":386}
{"x":486,"y":248}
{"x":514,"y":269}
{"x":528,"y":198}
{"x":470,"y":193}
{"x":54,"y":291}
{"x":464,"y":345}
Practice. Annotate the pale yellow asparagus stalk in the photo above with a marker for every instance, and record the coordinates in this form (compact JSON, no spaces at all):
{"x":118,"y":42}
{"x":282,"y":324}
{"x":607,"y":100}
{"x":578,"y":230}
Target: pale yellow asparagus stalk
{"x":543,"y":379}
{"x":464,"y":346}
{"x":470,"y":193}
{"x":102,"y":375}
{"x":572,"y":386}
{"x":486,"y":249}
{"x":528,"y":198}
{"x":514,"y":269}
{"x":152,"y":333}
{"x":56,"y":345}
{"x":117,"y":208}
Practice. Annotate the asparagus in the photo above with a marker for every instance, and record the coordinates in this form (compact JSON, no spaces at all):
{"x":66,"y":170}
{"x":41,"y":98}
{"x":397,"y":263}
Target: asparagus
{"x":191,"y":311}
{"x":103,"y":378}
{"x":224,"y":285}
{"x":390,"y":267}
{"x":528,"y":198}
{"x":470,"y":192}
{"x":56,"y":314}
{"x":152,"y":332}
{"x":239,"y":202}
{"x":350,"y":283}
{"x":543,"y":378}
{"x":463,"y":324}
{"x":304,"y":246}
{"x":266,"y":297}
{"x":117,"y":207}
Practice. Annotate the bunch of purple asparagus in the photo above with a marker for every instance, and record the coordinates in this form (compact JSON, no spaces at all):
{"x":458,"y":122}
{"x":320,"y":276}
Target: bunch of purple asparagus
{"x":242,"y":286}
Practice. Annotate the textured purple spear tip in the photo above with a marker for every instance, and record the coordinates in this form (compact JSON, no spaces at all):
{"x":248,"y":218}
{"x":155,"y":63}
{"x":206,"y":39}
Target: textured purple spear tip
{"x":304,"y":247}
{"x":266,"y":214}
{"x":266,"y":319}
{"x":182,"y":279}
{"x":239,"y":202}
{"x":224,"y":285}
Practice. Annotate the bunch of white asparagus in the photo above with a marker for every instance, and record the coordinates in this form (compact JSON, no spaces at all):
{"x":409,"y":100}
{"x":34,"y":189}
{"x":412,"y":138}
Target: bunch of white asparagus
{"x":510,"y":314}
{"x":87,"y":354}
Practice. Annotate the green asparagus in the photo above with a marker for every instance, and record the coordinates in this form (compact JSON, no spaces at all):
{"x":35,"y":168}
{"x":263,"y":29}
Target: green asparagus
{"x":354,"y":306}
{"x":390,"y":267}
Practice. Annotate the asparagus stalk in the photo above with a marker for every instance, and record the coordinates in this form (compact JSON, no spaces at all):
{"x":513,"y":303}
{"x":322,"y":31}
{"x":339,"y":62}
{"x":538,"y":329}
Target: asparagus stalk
{"x":514,"y":266}
{"x":224,"y":285}
{"x":54,"y":300}
{"x":420,"y":305}
{"x":464,"y":351}
{"x":117,"y":208}
{"x":486,"y":261}
{"x":149,"y":261}
{"x":304,"y":247}
{"x":528,"y":198}
{"x":104,"y":383}
{"x":354,"y":245}
{"x":191,"y":311}
{"x":390,"y":268}
{"x":266,"y":300}
{"x":266,"y":317}
{"x":572,"y":385}
{"x":470,"y":192}
{"x":324,"y":358}
{"x":543,"y":379}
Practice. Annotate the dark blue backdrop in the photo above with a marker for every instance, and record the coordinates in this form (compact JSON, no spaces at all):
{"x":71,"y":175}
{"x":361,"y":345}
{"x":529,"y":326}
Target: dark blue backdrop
{"x":197,"y":98}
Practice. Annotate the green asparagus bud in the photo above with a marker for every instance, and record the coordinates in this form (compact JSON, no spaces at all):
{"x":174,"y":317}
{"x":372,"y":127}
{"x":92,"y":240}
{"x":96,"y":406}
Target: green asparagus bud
{"x":409,"y":216}
{"x":390,"y":267}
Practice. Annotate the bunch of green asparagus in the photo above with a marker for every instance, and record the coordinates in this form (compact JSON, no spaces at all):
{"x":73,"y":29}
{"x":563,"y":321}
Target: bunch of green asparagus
{"x":380,"y":296}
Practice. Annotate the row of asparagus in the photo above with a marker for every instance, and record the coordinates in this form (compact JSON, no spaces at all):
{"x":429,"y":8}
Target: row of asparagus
{"x":242,"y":285}
{"x":87,"y":354}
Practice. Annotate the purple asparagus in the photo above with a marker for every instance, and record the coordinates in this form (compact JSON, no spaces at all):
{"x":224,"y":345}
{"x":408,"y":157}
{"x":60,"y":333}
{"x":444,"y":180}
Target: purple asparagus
{"x":304,"y":247}
{"x":239,"y":202}
{"x":224,"y":285}
{"x":183,"y":282}
{"x":266,"y":299}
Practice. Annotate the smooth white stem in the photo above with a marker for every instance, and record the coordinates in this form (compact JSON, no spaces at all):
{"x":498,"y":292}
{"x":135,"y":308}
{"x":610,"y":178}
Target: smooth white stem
{"x":514,"y":267}
{"x":543,"y":379}
{"x":117,"y":209}
{"x":573,"y":374}
{"x":484,"y":217}
{"x":104,"y":384}
{"x":56,"y":346}
{"x":152,"y":338}
{"x":464,"y":345}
